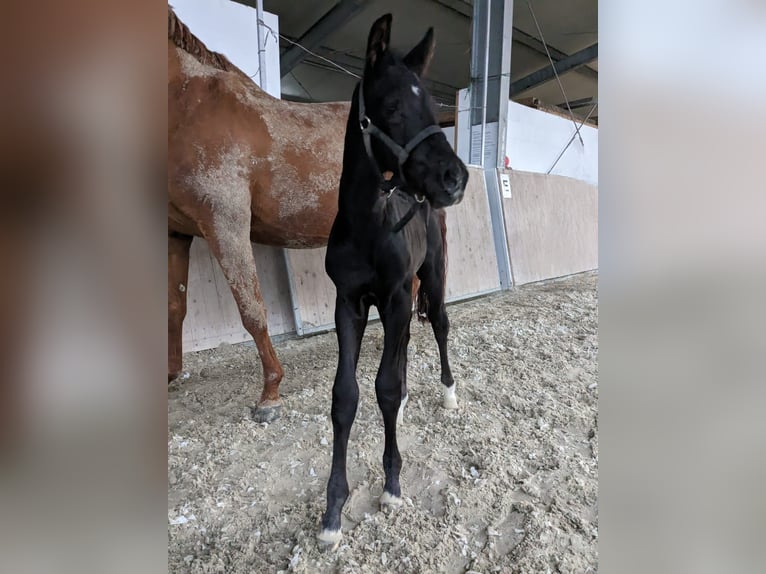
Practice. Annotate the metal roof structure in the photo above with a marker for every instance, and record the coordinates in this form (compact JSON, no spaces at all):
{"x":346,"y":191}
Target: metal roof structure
{"x":336,"y":30}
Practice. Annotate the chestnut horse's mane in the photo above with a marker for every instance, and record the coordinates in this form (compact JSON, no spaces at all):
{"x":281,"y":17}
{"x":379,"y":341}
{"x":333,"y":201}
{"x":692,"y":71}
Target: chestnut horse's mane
{"x":181,"y":36}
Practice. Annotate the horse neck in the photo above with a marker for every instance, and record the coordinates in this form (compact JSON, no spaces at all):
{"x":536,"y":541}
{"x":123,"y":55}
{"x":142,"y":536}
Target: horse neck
{"x":360,"y":181}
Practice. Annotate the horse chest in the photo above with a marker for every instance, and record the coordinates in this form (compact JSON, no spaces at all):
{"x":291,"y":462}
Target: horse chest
{"x":376,"y":263}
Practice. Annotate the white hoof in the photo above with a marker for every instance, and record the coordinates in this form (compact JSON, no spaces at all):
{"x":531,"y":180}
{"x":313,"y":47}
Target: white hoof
{"x":329,"y":539}
{"x":400,"y":416}
{"x":450,"y":400}
{"x":389,"y":501}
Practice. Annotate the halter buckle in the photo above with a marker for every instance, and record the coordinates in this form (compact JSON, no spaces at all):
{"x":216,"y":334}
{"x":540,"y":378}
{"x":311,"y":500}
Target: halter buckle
{"x":364,"y":123}
{"x":421,"y":199}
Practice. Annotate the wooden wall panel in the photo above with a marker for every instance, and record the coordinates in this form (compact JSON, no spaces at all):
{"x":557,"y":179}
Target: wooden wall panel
{"x":552,"y":226}
{"x":471,"y":251}
{"x":212,"y":316}
{"x":312,"y":290}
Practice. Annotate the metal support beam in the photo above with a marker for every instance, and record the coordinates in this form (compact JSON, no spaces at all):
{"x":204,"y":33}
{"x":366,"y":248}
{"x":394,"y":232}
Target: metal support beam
{"x":521,"y":37}
{"x":490,"y":83}
{"x":336,"y":17}
{"x":439,"y":90}
{"x":576,"y":104}
{"x":463,"y":8}
{"x":261,"y":36}
{"x":576,"y":60}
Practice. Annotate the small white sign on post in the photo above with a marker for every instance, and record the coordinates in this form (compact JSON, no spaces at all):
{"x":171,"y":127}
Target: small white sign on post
{"x":505,"y":184}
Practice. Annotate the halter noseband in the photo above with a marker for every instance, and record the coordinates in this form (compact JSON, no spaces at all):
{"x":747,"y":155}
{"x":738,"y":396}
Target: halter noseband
{"x":402,"y":153}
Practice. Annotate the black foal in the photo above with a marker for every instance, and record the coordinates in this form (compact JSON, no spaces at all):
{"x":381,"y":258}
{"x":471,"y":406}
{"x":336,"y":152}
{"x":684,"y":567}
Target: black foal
{"x":386,"y":232}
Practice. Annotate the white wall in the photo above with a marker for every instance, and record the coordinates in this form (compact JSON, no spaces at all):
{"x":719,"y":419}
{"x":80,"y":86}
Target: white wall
{"x":230,"y":28}
{"x":450,"y":133}
{"x":535,"y":138}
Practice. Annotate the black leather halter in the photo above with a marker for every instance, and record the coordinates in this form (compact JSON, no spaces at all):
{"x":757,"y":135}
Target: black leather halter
{"x":402,"y":154}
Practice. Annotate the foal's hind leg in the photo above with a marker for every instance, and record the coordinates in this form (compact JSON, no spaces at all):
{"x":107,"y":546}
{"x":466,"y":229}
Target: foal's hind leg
{"x":232,"y":248}
{"x":432,"y":288}
{"x":405,"y":397}
{"x":178,"y":275}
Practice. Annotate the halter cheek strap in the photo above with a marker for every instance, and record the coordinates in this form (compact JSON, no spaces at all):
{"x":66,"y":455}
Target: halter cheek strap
{"x":402,"y":153}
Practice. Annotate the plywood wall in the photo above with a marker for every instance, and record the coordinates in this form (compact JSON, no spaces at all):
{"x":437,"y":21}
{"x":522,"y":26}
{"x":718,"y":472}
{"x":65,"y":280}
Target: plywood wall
{"x":471,"y":251}
{"x":312,"y":290}
{"x":212,"y":317}
{"x":551,"y":224}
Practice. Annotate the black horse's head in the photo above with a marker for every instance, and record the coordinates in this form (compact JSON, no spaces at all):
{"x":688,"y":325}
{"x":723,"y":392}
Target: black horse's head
{"x":395,"y":108}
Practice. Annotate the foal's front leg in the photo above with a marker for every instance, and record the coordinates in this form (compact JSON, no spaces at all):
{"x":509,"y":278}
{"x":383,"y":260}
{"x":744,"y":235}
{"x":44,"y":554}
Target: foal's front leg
{"x":388,"y":387}
{"x":350,"y":322}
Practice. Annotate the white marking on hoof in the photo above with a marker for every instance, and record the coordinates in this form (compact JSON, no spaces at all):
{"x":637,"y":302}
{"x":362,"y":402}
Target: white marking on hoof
{"x":400,"y":416}
{"x":389,"y":500}
{"x":329,"y":539}
{"x":450,"y":401}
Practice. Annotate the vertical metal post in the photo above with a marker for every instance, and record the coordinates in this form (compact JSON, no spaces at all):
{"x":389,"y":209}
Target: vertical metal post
{"x":504,"y":81}
{"x":486,"y":88}
{"x":492,"y":30}
{"x":261,"y":37}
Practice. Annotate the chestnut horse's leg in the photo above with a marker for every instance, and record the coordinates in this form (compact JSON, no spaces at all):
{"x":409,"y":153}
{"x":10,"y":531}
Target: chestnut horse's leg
{"x":178,"y":275}
{"x":234,"y":252}
{"x":350,"y":322}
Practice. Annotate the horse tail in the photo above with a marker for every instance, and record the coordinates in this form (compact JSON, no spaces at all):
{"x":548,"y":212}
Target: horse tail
{"x":442,"y":215}
{"x":422,"y":303}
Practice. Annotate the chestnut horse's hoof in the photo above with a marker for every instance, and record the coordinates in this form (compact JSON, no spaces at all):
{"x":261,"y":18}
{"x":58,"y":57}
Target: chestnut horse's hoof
{"x":178,"y":377}
{"x":267,"y":412}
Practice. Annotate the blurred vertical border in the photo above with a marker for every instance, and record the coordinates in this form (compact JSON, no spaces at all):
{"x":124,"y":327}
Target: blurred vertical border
{"x":682,"y":280}
{"x":82,"y":286}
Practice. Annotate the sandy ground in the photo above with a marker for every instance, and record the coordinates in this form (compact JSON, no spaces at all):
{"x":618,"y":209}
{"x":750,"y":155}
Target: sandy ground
{"x":507,"y":483}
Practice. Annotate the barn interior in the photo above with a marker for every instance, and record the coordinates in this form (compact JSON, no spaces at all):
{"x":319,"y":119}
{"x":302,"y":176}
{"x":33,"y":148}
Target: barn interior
{"x":543,"y":30}
{"x":515,"y":88}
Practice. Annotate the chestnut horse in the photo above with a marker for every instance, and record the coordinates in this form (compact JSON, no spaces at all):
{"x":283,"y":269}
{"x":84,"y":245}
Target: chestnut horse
{"x":243,"y":167}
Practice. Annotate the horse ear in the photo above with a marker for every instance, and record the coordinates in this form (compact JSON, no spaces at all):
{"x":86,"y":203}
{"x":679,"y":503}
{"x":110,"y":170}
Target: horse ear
{"x":420,"y":56}
{"x":379,"y":40}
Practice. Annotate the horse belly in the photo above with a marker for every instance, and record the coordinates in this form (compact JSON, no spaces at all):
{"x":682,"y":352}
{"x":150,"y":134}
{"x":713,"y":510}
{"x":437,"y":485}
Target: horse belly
{"x":291,"y":208}
{"x":309,"y":231}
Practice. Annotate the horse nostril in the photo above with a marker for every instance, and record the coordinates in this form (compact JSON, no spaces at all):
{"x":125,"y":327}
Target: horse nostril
{"x":451,"y":179}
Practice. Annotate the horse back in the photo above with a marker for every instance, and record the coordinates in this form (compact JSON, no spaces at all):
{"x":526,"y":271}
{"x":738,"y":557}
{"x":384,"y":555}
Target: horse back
{"x":230,"y":144}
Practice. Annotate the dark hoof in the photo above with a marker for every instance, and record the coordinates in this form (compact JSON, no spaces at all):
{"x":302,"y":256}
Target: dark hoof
{"x":178,"y":377}
{"x":266,"y":414}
